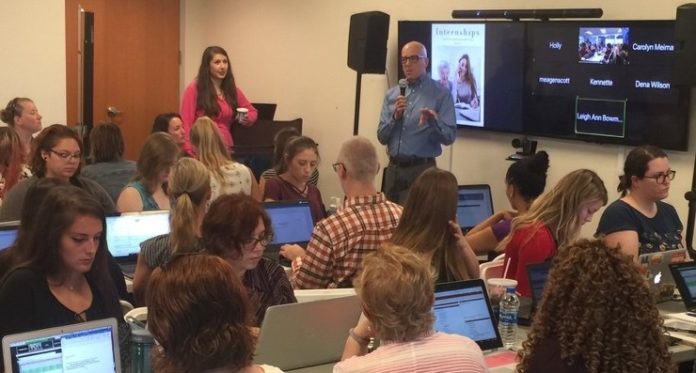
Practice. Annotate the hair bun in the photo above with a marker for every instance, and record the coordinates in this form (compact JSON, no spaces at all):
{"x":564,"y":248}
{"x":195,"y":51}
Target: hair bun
{"x":539,"y":163}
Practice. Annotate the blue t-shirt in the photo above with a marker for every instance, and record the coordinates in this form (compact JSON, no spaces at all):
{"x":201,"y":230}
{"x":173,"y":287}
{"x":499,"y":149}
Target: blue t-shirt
{"x":660,"y":233}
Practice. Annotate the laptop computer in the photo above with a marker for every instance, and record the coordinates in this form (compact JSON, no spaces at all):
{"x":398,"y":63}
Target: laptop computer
{"x":306,"y":334}
{"x":475,"y":204}
{"x":8,"y":234}
{"x":537,"y":273}
{"x":125,"y":232}
{"x":84,"y":347}
{"x":684,"y":275}
{"x":655,"y":268}
{"x":265,"y":111}
{"x":292,"y":224}
{"x":463,"y":308}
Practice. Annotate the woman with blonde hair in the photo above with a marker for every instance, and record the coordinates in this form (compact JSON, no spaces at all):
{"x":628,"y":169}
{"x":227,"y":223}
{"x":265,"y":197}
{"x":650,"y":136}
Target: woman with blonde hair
{"x":553,"y":222}
{"x":597,"y":315}
{"x":428,"y":226}
{"x":146,"y":192}
{"x":12,"y":168}
{"x":227,"y":176}
{"x":22,"y":115}
{"x":189,"y":186}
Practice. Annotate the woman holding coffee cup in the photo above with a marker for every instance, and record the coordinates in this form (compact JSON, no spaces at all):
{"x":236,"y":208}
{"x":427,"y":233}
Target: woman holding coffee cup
{"x":214,"y":94}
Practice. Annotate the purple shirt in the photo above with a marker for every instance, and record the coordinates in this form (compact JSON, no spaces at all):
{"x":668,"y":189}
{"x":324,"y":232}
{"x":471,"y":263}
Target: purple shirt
{"x":501,"y":229}
{"x":278,"y":189}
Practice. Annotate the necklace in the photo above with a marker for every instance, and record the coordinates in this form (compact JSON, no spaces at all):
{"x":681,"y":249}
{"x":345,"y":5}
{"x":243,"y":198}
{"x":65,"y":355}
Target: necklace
{"x":302,"y":192}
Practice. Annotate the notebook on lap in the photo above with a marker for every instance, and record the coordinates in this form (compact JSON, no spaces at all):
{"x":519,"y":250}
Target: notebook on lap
{"x":125,"y":232}
{"x":292,"y":224}
{"x":306,"y":334}
{"x":8,"y":234}
{"x":655,"y":268}
{"x":463,"y":308}
{"x":84,"y":347}
{"x":475,"y":204}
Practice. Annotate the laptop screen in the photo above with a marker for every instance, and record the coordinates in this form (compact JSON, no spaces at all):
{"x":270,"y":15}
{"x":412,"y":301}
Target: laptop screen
{"x":463,"y":308}
{"x":474,"y":205}
{"x":538,"y":273}
{"x":685,"y":278}
{"x":84,"y":347}
{"x":8,"y":235}
{"x":291,"y":220}
{"x":125,"y":232}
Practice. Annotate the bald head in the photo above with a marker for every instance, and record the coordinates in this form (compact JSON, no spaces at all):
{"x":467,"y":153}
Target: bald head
{"x":414,"y":60}
{"x":360,"y":159}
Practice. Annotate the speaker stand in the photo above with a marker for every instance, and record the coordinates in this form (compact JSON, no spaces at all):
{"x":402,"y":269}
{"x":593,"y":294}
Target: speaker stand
{"x":356,"y":118}
{"x":691,"y":217}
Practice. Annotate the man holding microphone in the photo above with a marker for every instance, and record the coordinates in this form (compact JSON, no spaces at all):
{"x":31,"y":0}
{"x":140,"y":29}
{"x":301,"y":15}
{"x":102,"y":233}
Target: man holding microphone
{"x":417,"y":119}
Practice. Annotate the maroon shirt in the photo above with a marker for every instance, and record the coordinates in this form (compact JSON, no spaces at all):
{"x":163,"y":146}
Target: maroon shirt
{"x":278,"y":189}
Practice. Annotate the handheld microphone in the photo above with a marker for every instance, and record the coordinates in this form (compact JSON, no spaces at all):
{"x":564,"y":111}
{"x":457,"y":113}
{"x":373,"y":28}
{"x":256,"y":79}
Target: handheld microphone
{"x":403,"y":83}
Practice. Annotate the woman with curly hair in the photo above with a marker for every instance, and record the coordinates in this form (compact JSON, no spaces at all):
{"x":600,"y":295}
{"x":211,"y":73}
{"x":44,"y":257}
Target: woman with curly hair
{"x":553,"y":222}
{"x":580,"y":329}
{"x":198,"y":312}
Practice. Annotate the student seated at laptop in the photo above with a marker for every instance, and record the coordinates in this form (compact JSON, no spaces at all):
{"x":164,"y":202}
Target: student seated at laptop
{"x":365,"y":220}
{"x":17,"y":252}
{"x":597,"y":315}
{"x":553,"y":222}
{"x":429,"y":228}
{"x":279,"y":140}
{"x":198,"y":313}
{"x":300,"y":159}
{"x":640,"y":222}
{"x":189,"y":186}
{"x":397,"y":293}
{"x":62,"y":276}
{"x":525,"y":180}
{"x":237,"y":228}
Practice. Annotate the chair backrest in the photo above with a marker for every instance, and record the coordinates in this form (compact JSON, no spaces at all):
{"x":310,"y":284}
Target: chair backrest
{"x":258,"y":138}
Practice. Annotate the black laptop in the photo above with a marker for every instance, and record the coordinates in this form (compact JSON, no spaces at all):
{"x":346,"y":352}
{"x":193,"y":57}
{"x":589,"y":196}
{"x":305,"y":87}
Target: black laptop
{"x":538,"y":274}
{"x":265,"y":111}
{"x":292,"y":224}
{"x":125,"y":232}
{"x":8,"y":234}
{"x":463,"y":308}
{"x":474,"y":205}
{"x":684,"y":275}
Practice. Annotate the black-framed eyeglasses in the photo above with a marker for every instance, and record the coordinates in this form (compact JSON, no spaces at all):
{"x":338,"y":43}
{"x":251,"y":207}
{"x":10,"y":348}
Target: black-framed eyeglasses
{"x":264,"y":240}
{"x":661,"y":178}
{"x":66,"y":155}
{"x":336,"y":166}
{"x":412,"y":59}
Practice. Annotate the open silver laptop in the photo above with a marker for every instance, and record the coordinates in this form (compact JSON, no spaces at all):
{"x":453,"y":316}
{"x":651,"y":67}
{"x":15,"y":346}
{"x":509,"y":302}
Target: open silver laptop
{"x":300,"y":335}
{"x":125,"y":232}
{"x":655,"y":268}
{"x":474,"y":205}
{"x":84,"y":347}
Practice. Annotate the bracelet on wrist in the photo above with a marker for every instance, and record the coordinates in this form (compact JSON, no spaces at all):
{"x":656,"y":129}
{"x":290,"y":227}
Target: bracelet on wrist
{"x":363,"y":341}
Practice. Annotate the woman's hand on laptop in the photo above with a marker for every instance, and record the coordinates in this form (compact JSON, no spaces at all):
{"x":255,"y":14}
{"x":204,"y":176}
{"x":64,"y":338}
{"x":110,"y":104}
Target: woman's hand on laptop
{"x":292,"y":251}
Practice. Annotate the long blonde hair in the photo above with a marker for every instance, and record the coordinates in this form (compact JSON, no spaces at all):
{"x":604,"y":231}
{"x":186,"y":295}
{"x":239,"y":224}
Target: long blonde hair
{"x":424,"y":224}
{"x":209,"y":147}
{"x":189,"y":186}
{"x":558,"y":208}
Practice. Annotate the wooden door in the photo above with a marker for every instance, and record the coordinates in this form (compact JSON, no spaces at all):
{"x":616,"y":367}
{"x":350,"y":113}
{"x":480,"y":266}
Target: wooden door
{"x":136,"y":62}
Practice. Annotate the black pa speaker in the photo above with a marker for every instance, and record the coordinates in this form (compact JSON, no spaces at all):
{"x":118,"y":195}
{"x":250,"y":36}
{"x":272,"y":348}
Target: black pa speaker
{"x":367,"y":42}
{"x":684,"y":72}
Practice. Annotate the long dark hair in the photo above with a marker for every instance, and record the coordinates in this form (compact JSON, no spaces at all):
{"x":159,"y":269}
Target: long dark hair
{"x":207,"y":97}
{"x":58,"y":211}
{"x":46,"y":140}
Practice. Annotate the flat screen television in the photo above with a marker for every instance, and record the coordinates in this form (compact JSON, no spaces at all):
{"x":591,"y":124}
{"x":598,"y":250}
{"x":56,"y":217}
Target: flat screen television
{"x":604,"y":81}
{"x":596,"y":81}
{"x":490,"y":59}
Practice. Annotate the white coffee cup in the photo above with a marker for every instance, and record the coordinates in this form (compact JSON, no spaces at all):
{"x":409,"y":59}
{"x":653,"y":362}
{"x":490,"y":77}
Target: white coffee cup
{"x":242,"y":113}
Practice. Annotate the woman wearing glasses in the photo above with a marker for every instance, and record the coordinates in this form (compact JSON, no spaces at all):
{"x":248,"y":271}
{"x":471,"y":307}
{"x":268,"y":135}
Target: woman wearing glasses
{"x":639,"y":222}
{"x":238,"y":229}
{"x":58,"y":154}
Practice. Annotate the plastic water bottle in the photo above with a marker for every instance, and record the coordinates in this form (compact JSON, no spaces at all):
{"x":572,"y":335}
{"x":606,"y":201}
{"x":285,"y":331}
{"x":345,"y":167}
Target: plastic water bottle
{"x":507,"y":322}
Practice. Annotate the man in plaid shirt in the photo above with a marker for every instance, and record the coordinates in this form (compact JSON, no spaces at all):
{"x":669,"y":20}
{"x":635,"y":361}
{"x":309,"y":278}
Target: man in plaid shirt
{"x":365,"y":220}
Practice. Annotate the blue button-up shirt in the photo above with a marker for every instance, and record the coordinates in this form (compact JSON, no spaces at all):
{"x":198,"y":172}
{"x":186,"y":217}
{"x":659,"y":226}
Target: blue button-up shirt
{"x":424,"y":141}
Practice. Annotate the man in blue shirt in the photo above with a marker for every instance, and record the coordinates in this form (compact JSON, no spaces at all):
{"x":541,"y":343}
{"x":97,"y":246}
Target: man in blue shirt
{"x":414,"y":126}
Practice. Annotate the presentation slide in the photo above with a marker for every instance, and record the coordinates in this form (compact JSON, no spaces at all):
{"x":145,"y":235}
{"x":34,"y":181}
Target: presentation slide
{"x":458,"y":52}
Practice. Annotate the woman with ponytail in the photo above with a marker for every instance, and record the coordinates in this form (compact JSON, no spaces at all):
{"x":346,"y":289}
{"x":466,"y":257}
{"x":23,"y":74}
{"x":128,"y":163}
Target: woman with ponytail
{"x":639,"y":222}
{"x":189,"y":186}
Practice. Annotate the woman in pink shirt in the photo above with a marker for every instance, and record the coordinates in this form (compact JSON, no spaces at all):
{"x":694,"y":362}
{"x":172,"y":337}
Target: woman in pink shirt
{"x":214,"y":94}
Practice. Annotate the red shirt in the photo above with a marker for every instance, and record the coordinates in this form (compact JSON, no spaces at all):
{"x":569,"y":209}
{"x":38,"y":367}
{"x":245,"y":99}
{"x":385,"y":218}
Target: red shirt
{"x":532,"y":244}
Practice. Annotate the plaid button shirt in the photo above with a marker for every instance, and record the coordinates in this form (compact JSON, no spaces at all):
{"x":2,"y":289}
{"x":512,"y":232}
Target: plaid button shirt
{"x":340,"y":242}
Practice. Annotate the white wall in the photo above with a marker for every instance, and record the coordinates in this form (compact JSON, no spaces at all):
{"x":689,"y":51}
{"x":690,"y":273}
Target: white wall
{"x":32,"y":57}
{"x":294,"y":53}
